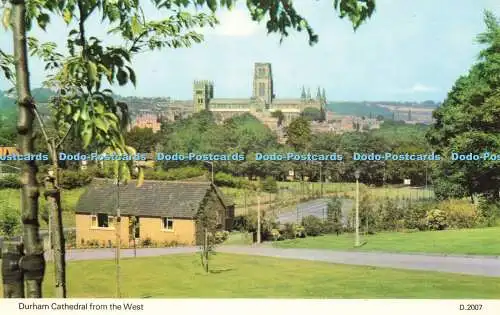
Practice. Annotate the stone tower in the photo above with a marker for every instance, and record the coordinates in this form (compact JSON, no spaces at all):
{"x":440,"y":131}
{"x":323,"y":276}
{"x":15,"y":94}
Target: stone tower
{"x":263,"y":83}
{"x":203,"y":92}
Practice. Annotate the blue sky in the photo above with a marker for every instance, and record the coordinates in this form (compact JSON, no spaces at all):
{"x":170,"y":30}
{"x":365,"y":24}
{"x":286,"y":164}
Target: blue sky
{"x":409,"y":50}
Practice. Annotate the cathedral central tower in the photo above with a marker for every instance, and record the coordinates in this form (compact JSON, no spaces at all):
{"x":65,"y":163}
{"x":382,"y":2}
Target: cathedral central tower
{"x":263,"y":83}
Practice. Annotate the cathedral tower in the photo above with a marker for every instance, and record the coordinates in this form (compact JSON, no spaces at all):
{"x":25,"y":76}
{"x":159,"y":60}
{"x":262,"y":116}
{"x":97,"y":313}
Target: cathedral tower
{"x":263,"y":83}
{"x":203,"y":92}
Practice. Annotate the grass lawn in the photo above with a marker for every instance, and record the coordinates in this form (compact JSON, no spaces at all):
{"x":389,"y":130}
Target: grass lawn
{"x":468,"y":241}
{"x":240,"y":276}
{"x":69,"y":199}
{"x":237,"y":238}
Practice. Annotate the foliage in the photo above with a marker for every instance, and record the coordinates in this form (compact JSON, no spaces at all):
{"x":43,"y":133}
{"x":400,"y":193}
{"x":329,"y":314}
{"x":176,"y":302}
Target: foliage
{"x":270,"y":185}
{"x":10,"y":181}
{"x":313,"y":225}
{"x":468,"y":122}
{"x":72,"y":179}
{"x":143,"y":140}
{"x":9,"y":219}
{"x":292,"y":231}
{"x":333,"y":222}
{"x":227,"y":180}
{"x":298,"y":133}
{"x":436,"y":219}
{"x":488,"y":212}
{"x":312,"y":114}
{"x":174,"y":174}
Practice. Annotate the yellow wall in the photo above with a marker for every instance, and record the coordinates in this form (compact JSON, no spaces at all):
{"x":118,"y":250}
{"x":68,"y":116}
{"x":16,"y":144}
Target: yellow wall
{"x":183,"y":231}
{"x":85,"y":231}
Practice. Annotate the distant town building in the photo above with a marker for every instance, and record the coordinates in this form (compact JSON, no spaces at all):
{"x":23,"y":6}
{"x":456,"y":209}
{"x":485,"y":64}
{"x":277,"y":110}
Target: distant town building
{"x":148,"y":120}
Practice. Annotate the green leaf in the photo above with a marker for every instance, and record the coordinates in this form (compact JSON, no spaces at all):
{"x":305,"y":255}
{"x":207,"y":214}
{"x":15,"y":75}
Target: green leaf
{"x":67,"y":109}
{"x":101,"y":124}
{"x":136,"y":27}
{"x":43,"y":19}
{"x":131,"y":74}
{"x":76,"y":115}
{"x":122,"y":77}
{"x":92,"y":69}
{"x":67,"y":15}
{"x":6,"y":18}
{"x":87,"y":137}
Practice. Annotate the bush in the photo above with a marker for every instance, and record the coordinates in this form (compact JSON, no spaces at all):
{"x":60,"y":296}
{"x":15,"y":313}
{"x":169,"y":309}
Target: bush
{"x":312,"y":225}
{"x":220,"y":237}
{"x":9,"y":221}
{"x":69,"y":179}
{"x":460,"y":214}
{"x":270,"y":185}
{"x":174,"y":173}
{"x":292,"y":231}
{"x":147,"y":242}
{"x":415,"y":217}
{"x":436,"y":219}
{"x":228,"y":180}
{"x":10,"y":181}
{"x":488,"y":213}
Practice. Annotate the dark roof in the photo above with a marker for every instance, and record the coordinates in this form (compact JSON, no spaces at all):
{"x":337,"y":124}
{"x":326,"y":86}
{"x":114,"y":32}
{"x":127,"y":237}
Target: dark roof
{"x":153,"y":198}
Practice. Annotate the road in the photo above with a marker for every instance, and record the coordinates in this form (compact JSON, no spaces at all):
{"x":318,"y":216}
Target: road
{"x":315,"y":207}
{"x":481,"y":266}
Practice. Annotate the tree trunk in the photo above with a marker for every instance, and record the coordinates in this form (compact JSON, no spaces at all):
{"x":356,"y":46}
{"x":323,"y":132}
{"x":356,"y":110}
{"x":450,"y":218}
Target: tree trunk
{"x":12,"y":275}
{"x":53,"y":195}
{"x":33,"y":263}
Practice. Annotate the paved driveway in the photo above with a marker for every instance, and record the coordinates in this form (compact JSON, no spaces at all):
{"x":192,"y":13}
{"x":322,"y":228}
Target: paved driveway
{"x":482,"y":266}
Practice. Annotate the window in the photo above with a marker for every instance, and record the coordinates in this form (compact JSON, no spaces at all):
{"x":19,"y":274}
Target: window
{"x":102,"y":220}
{"x":262,"y":89}
{"x":168,"y":224}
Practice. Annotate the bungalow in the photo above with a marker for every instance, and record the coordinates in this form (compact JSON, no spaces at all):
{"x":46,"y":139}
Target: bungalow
{"x":163,"y":211}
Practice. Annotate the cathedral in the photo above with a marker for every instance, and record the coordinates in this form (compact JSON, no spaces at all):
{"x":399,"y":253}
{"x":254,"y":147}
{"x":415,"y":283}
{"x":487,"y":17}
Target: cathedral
{"x":262,"y":103}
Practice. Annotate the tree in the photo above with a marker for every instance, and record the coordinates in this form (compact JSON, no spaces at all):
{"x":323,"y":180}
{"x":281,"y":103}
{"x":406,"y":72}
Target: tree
{"x":312,"y":114}
{"x":334,"y":216}
{"x":143,"y":140}
{"x":468,"y":121}
{"x":299,"y":133}
{"x":279,"y":115}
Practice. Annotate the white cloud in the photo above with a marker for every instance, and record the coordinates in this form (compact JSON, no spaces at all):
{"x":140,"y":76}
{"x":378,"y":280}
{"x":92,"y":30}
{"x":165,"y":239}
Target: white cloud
{"x":418,"y":87}
{"x":235,"y":23}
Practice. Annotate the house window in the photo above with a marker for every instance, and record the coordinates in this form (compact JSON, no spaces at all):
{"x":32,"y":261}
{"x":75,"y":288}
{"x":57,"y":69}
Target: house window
{"x":168,"y":224}
{"x":102,"y":220}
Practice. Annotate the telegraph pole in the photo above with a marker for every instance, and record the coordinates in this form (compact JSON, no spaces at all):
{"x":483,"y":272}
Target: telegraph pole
{"x":356,"y":174}
{"x":258,"y":216}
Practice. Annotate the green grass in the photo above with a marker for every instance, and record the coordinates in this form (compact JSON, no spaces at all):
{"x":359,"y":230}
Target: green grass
{"x":237,"y":238}
{"x":240,"y":276}
{"x":69,"y":199}
{"x":468,"y":241}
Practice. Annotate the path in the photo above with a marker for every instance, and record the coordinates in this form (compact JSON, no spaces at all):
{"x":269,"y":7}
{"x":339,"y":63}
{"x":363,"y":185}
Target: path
{"x":482,"y":266}
{"x":316,"y":208}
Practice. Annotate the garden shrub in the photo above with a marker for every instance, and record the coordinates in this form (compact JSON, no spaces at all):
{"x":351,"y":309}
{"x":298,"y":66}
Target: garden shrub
{"x":460,"y":214}
{"x":69,"y":179}
{"x":228,"y":180}
{"x":436,"y":219}
{"x":488,"y":213}
{"x":270,"y":185}
{"x":147,"y":242}
{"x":10,"y":181}
{"x":313,"y":225}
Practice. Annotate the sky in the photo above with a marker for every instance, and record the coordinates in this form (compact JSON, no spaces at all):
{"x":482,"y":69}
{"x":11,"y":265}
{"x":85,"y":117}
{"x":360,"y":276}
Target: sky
{"x":410,"y":50}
